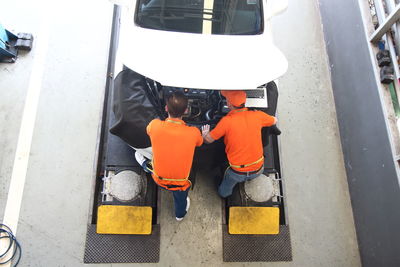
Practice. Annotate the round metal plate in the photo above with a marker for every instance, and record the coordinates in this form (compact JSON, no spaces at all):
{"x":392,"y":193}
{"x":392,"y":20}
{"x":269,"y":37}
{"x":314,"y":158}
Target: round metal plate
{"x":126,"y":185}
{"x":259,"y":189}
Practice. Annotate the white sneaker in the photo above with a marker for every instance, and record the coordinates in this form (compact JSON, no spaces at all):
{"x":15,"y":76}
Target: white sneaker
{"x":187,"y":208}
{"x":140,"y":158}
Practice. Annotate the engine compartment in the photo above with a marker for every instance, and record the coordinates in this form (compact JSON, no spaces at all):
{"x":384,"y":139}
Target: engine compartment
{"x":137,"y":100}
{"x":204,"y":106}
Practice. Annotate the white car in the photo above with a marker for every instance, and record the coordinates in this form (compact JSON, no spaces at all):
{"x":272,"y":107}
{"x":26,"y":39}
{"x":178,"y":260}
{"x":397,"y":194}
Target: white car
{"x":204,"y":44}
{"x":198,"y":47}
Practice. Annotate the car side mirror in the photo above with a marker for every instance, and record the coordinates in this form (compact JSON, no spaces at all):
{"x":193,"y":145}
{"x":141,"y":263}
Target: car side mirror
{"x":275,"y":7}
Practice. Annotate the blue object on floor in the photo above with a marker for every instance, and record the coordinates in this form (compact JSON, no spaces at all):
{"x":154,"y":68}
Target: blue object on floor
{"x":3,"y":37}
{"x":7,"y":40}
{"x":381,"y":45}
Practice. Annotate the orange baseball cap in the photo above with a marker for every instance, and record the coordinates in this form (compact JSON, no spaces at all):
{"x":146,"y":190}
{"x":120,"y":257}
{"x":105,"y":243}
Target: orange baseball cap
{"x":235,"y":97}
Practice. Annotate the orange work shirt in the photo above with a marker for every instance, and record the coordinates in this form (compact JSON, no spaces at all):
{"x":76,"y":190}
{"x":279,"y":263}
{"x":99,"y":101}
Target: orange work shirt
{"x":241,"y":129}
{"x":173,"y":144}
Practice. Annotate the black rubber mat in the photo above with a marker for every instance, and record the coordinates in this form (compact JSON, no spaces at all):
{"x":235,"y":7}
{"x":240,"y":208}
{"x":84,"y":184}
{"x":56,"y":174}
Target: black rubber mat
{"x":122,"y":248}
{"x":250,"y":248}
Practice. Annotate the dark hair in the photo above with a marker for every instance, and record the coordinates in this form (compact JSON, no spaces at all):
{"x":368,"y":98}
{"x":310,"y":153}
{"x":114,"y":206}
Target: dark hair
{"x":177,"y":103}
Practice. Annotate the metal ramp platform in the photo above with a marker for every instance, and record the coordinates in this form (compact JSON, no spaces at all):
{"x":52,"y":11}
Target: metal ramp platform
{"x":122,"y":248}
{"x":113,"y":156}
{"x":259,"y":247}
{"x":251,"y":248}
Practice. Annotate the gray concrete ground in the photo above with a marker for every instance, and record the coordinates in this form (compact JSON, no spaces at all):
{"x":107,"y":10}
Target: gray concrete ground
{"x":14,"y":79}
{"x":52,"y":225}
{"x":320,"y":212}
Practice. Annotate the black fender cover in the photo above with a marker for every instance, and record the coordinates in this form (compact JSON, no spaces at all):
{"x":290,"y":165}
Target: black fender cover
{"x":133,"y":108}
{"x":272,"y":96}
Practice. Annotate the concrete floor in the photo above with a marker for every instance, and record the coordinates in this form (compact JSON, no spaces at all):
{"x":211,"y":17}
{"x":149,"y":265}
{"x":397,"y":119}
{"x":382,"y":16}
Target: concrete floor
{"x":55,"y":204}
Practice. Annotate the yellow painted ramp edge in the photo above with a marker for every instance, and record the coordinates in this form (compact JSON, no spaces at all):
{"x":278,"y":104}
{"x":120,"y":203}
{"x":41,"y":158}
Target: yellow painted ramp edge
{"x":253,"y":220}
{"x":124,"y":220}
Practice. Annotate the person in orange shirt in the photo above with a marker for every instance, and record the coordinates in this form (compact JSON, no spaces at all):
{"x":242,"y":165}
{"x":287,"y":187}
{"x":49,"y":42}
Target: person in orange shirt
{"x":173,"y":144}
{"x":241,"y":129}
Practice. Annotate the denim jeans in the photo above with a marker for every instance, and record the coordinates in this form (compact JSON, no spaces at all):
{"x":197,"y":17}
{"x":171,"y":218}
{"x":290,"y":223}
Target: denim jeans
{"x":231,"y":178}
{"x":180,"y":202}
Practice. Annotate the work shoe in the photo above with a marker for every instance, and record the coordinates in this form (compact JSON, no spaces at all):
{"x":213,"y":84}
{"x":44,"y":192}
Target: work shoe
{"x":144,"y":162}
{"x":147,"y":166}
{"x":187,"y":209}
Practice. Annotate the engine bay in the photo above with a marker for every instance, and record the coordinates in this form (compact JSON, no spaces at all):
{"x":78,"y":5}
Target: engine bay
{"x":204,"y":106}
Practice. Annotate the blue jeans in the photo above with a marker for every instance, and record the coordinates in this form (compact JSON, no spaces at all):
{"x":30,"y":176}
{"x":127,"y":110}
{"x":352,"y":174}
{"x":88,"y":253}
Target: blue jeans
{"x":180,"y":202}
{"x":231,"y":178}
{"x":180,"y":197}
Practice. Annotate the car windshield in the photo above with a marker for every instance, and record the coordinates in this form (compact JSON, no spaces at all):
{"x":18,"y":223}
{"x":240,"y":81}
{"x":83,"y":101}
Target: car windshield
{"x":229,"y":17}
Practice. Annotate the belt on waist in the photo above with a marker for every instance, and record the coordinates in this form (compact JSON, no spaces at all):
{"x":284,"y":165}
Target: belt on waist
{"x":168,"y":179}
{"x":170,"y":186}
{"x":173,"y":186}
{"x":247,"y":165}
{"x":243,"y":173}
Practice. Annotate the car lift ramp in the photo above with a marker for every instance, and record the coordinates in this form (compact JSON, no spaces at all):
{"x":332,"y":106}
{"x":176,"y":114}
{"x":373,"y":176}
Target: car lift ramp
{"x":114,"y":156}
{"x":262,"y":247}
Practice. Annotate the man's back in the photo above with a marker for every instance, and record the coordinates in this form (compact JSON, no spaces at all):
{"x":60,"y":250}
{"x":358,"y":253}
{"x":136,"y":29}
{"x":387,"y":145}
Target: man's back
{"x":241,"y":129}
{"x":173,"y":145}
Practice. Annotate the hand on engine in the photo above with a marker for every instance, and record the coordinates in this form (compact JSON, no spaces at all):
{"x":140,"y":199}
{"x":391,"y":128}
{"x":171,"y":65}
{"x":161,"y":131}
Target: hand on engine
{"x":205,"y":129}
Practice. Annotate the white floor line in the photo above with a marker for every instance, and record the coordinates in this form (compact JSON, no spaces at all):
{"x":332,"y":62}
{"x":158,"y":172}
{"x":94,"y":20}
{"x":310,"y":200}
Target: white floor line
{"x":16,"y":189}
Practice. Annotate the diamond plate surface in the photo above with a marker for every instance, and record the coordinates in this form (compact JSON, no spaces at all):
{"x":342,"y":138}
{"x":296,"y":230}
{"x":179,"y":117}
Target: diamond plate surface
{"x":250,"y":248}
{"x":122,"y":248}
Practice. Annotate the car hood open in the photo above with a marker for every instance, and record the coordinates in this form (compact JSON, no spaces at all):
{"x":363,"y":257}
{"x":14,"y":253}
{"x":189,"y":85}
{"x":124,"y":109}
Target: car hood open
{"x":201,"y":61}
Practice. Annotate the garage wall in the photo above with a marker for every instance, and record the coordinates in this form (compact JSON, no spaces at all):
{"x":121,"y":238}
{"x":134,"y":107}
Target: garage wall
{"x":371,"y":171}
